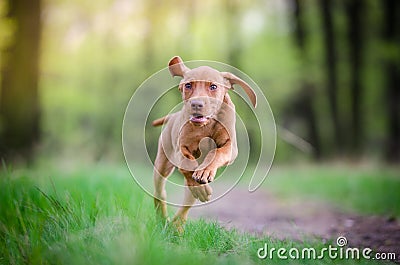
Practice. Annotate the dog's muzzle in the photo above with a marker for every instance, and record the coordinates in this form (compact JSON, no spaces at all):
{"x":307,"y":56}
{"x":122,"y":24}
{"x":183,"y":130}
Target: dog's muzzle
{"x":199,"y":118}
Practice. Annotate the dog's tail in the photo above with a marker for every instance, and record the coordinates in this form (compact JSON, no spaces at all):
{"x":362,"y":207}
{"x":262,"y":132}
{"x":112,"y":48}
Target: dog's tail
{"x":160,"y":121}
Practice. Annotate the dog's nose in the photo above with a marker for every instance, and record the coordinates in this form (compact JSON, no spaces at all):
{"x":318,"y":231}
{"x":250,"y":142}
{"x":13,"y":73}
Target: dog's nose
{"x":197,"y":104}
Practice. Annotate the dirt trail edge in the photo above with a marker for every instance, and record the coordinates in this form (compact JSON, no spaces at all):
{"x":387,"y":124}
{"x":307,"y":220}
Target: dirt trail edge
{"x":264,"y":214}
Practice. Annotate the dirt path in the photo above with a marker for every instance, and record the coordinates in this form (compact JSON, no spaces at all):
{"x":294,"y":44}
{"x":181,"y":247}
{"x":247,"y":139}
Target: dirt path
{"x":265,"y":214}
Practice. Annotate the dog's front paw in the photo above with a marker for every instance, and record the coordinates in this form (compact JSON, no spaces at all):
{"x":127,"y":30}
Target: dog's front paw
{"x":204,"y":176}
{"x":201,"y":192}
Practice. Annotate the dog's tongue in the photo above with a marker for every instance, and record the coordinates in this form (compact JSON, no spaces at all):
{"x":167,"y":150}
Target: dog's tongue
{"x":198,"y":119}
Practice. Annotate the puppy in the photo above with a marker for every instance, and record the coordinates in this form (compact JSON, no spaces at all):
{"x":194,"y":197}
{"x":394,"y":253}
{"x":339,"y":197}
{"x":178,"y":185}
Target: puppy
{"x":198,"y":139}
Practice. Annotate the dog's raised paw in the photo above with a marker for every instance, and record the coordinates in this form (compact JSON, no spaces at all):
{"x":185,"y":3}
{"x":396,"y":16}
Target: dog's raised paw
{"x":202,"y":192}
{"x":204,"y":176}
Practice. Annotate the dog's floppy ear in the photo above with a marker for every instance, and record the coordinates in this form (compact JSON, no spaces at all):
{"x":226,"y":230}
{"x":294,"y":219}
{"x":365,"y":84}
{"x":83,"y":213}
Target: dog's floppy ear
{"x":233,"y":79}
{"x":177,"y":67}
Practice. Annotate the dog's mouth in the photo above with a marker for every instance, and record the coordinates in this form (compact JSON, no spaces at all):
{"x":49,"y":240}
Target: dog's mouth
{"x":199,"y":118}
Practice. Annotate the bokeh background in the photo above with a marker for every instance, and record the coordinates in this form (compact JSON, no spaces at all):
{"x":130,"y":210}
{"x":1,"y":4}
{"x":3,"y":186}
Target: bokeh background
{"x":330,"y":70}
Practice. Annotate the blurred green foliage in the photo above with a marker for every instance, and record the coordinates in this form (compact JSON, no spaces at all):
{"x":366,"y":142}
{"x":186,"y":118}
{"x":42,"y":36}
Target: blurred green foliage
{"x":93,"y":59}
{"x":95,"y":54}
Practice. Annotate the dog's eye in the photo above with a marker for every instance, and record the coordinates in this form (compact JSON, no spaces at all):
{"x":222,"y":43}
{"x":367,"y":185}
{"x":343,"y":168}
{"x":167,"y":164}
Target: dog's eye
{"x":188,"y":86}
{"x":213,"y":87}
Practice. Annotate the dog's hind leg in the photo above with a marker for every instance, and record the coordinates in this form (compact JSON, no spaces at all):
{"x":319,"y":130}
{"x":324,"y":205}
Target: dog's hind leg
{"x":181,"y":215}
{"x":162,"y":169}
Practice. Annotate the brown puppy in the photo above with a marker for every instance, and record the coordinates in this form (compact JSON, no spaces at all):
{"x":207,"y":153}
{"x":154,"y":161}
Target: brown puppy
{"x":198,"y":139}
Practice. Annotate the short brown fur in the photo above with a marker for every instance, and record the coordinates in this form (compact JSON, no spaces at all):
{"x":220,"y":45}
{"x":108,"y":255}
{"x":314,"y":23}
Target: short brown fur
{"x":198,"y":139}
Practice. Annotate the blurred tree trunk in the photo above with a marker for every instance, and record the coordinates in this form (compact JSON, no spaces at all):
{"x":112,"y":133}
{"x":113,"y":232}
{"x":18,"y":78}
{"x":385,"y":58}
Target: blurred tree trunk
{"x":190,"y":11}
{"x":355,"y":25}
{"x":233,"y":28}
{"x":306,"y":100}
{"x":19,"y":100}
{"x":391,"y":69}
{"x":148,"y":42}
{"x":233,"y":11}
{"x":298,"y":21}
{"x":331,"y":66}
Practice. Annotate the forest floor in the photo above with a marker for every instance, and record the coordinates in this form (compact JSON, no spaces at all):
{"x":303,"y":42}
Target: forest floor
{"x":99,"y":215}
{"x":264,"y":213}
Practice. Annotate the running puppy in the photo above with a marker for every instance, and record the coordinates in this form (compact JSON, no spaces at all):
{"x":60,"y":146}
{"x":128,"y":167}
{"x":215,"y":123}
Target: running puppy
{"x":198,"y":139}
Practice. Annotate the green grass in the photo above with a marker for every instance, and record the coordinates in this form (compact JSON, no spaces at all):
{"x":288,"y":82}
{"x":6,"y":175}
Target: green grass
{"x":365,"y":190}
{"x":100,"y":216}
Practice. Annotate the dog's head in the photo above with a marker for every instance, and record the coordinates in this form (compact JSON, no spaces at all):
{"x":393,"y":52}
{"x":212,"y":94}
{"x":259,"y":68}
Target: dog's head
{"x":204,"y":88}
